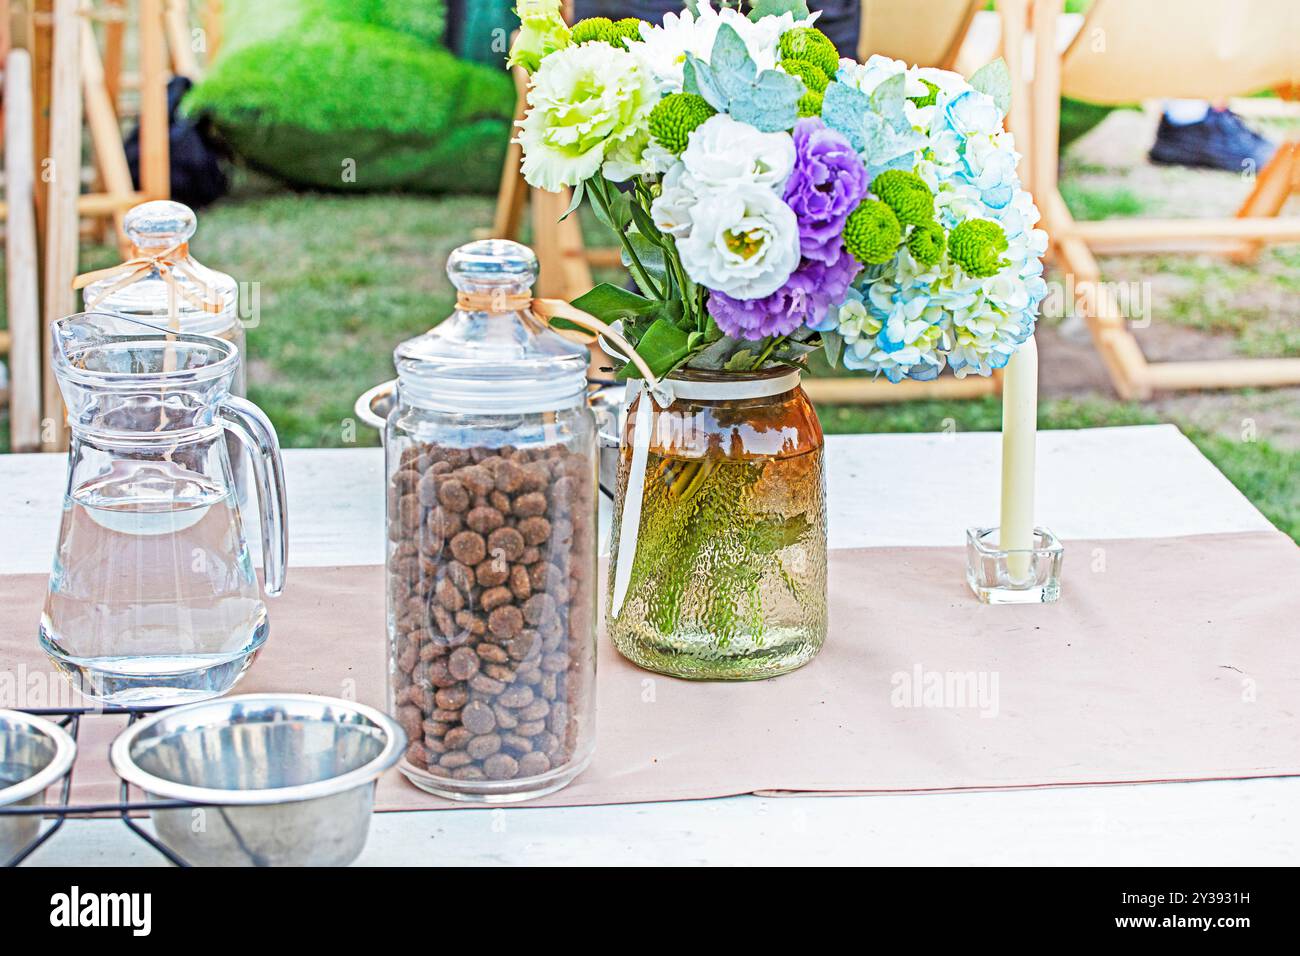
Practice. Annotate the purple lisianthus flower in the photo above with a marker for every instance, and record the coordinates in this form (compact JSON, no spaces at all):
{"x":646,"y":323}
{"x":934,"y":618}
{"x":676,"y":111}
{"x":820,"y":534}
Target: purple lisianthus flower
{"x":827,"y":183}
{"x":811,"y":291}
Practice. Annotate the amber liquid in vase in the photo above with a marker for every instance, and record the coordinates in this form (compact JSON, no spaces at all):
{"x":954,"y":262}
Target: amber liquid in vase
{"x":729,"y":580}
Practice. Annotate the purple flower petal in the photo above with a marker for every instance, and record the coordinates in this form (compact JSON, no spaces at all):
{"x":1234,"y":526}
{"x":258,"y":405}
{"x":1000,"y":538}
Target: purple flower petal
{"x":827,"y":183}
{"x":812,"y":289}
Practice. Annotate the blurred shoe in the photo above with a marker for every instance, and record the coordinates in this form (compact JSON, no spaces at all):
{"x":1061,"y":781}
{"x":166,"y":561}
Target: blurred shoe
{"x":1220,"y":141}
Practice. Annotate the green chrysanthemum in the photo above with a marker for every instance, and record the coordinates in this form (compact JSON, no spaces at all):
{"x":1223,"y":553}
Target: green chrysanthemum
{"x":976,"y":245}
{"x":593,"y":28}
{"x":872,"y":233}
{"x":626,"y":30}
{"x":930,"y":98}
{"x":905,"y":193}
{"x":810,"y":104}
{"x":809,"y":72}
{"x":675,"y":117}
{"x":809,"y":43}
{"x":926,"y":243}
{"x":604,"y":30}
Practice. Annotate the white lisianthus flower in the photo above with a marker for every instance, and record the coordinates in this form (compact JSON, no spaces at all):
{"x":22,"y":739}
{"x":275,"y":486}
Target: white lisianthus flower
{"x":542,"y":31}
{"x":722,"y":151}
{"x":867,"y":76}
{"x":762,"y":36}
{"x":946,"y":80}
{"x":744,"y":241}
{"x":663,"y":47}
{"x":671,"y":210}
{"x":638,"y":155}
{"x":584,"y":102}
{"x":662,"y":50}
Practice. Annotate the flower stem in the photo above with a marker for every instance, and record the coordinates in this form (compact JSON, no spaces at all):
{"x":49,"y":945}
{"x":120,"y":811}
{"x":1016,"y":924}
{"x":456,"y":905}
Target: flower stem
{"x":767,"y":352}
{"x":598,"y":187}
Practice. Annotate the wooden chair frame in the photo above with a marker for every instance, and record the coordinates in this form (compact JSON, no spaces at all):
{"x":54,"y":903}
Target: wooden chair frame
{"x":68,"y":77}
{"x":1075,"y":244}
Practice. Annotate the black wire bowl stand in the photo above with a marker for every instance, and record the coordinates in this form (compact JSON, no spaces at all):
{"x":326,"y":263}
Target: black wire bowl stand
{"x":69,"y":718}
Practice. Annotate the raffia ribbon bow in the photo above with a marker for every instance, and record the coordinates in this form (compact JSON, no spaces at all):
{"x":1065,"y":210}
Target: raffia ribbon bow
{"x":539,"y":314}
{"x":167,"y":263}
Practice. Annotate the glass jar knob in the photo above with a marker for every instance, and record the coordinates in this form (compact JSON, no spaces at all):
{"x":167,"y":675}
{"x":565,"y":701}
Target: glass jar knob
{"x":159,"y":224}
{"x":493,"y":265}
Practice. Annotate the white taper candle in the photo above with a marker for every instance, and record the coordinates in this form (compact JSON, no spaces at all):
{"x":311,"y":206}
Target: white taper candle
{"x":1019,"y":435}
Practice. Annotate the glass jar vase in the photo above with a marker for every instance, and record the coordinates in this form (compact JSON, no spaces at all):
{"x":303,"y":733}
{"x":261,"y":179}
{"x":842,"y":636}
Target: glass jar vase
{"x":728,"y":575}
{"x":491,"y":477}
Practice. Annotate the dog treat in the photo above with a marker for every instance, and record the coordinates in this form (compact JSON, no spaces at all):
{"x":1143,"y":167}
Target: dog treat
{"x":491,"y":607}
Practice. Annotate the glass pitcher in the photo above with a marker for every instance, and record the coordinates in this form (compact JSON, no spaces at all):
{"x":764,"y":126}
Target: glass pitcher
{"x":152,"y":598}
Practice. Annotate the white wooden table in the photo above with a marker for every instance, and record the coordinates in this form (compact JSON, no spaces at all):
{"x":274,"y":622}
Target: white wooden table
{"x":1146,"y":481}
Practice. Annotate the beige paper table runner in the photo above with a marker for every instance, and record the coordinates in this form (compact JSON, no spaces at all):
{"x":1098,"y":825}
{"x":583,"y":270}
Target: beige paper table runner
{"x":1167,"y":659}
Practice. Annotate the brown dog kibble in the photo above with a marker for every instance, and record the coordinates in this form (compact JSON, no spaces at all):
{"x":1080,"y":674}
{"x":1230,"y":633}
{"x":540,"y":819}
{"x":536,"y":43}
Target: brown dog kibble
{"x":492,"y":618}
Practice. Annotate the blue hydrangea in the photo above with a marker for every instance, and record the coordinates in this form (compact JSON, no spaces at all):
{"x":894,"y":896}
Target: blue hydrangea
{"x":909,"y":321}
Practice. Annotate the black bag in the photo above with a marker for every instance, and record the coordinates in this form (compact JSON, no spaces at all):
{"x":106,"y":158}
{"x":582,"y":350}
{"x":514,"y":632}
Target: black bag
{"x":197,"y":176}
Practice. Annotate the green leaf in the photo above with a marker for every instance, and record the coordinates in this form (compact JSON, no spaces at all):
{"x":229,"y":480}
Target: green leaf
{"x":662,"y":347}
{"x":645,"y":225}
{"x":651,"y":255}
{"x":995,"y":80}
{"x":774,"y":8}
{"x":741,"y":361}
{"x":832,"y":344}
{"x":618,"y":203}
{"x":578,"y":192}
{"x":609,"y":303}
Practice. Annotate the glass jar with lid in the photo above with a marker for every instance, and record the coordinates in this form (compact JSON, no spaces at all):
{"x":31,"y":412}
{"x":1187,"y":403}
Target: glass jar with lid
{"x":492,"y":538}
{"x":197,"y":300}
{"x":174,"y":291}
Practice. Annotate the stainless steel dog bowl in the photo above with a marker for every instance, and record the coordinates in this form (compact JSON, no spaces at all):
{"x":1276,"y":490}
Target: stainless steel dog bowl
{"x":290,"y":778}
{"x":34,"y":754}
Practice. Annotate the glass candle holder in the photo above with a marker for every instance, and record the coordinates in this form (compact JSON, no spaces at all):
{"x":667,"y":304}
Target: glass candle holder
{"x":1019,"y":576}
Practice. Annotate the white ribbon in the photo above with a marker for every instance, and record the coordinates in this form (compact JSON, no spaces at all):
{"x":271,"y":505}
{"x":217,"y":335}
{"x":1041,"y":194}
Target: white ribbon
{"x":664,"y":395}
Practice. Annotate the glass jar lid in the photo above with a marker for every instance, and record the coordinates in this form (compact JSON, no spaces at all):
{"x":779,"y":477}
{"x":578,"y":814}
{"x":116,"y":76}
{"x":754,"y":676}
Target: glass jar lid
{"x":491,"y":355}
{"x":153,"y":228}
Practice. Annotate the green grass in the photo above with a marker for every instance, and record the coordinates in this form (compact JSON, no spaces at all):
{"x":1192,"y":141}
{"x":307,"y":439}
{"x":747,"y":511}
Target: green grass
{"x":1254,"y":302}
{"x":343,"y":279}
{"x":1268,"y":476}
{"x":1096,"y":203}
{"x":976,"y":415}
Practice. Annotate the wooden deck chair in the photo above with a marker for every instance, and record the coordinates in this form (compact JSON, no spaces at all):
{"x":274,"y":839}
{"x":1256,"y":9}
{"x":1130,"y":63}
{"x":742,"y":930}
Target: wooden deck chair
{"x":564,"y":260}
{"x":1142,"y":49}
{"x":926,"y":33}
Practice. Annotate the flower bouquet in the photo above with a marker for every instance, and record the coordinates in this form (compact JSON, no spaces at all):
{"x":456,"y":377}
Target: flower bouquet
{"x":771,"y":199}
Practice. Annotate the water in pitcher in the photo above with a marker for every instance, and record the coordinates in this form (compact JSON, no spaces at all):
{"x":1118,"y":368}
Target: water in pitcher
{"x":153,"y":596}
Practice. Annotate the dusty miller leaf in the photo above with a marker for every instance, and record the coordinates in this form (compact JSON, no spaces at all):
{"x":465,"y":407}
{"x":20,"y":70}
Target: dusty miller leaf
{"x":731,"y":83}
{"x":774,"y":8}
{"x":994,"y":79}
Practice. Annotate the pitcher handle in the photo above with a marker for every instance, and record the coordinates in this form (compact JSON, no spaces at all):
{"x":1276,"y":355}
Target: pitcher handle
{"x":257,"y":433}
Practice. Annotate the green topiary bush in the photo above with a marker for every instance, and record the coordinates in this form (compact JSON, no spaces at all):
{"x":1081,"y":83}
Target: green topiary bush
{"x":304,"y":101}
